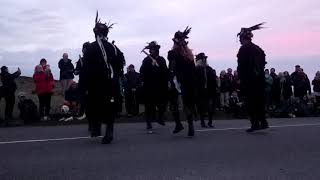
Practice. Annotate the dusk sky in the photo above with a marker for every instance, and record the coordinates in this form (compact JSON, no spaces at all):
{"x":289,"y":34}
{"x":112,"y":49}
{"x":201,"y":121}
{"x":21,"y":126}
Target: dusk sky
{"x":35,"y":29}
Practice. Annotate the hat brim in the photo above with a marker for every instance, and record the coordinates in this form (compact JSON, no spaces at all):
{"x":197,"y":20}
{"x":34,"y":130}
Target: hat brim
{"x":153,"y":47}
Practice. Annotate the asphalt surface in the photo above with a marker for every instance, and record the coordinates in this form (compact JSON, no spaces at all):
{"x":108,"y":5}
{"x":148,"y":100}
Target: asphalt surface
{"x":289,"y":150}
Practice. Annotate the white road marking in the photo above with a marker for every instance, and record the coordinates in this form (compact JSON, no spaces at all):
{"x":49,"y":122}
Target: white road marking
{"x":44,"y":140}
{"x":242,"y":128}
{"x":201,"y":130}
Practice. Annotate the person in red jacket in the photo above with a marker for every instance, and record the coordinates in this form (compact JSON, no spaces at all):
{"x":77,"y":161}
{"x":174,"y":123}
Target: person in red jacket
{"x":44,"y":88}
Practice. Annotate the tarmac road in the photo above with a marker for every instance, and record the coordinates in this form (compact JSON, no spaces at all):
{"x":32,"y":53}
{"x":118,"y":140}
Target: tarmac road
{"x":289,"y":150}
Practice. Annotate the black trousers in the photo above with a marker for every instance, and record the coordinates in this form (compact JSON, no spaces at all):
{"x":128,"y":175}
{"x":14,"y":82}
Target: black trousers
{"x":206,"y":104}
{"x":100,"y":110}
{"x":132,"y":106}
{"x":255,"y":101}
{"x":151,"y":112}
{"x":174,"y":105}
{"x":44,"y":104}
{"x":10,"y":101}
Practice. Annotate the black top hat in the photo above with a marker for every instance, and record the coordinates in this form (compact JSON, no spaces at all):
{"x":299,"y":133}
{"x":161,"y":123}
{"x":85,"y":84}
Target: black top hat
{"x":153,"y":45}
{"x":201,"y":56}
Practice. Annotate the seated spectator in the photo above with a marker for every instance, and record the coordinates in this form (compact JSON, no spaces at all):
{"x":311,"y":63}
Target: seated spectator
{"x":72,"y":101}
{"x":28,"y":109}
{"x":236,"y":107}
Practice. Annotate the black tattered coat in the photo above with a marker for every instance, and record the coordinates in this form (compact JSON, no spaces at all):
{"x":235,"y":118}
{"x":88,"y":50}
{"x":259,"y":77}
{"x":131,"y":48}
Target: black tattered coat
{"x":96,"y":80}
{"x":155,"y":80}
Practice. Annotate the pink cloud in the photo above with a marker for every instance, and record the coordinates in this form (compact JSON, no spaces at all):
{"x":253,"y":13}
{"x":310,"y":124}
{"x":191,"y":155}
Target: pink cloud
{"x":294,"y":43}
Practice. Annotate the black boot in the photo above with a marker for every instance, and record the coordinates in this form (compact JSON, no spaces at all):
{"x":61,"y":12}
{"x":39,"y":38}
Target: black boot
{"x":160,"y":118}
{"x":264,"y":124}
{"x":107,"y":139}
{"x":203,"y":124}
{"x":210,"y":125}
{"x":191,"y":128}
{"x":179,"y":127}
{"x":254,"y":126}
{"x":95,"y":132}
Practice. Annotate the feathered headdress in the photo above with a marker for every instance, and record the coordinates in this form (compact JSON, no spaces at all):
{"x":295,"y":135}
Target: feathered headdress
{"x":102,"y":28}
{"x":181,"y":36}
{"x":247,"y":32}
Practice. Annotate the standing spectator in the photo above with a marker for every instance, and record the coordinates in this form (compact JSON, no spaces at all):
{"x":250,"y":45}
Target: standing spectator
{"x":66,"y":72}
{"x":301,"y":84}
{"x":316,"y":87}
{"x":268,"y":89}
{"x":285,"y":86}
{"x":9,"y":88}
{"x":44,"y":88}
{"x":275,"y":90}
{"x":295,"y":73}
{"x":224,"y":90}
{"x":131,"y":85}
{"x":307,"y":85}
{"x":230,"y":77}
{"x":236,"y":83}
{"x":285,"y":93}
{"x":218,"y":103}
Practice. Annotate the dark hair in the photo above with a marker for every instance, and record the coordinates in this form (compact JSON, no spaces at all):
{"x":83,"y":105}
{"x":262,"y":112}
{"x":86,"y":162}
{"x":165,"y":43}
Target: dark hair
{"x":43,"y":60}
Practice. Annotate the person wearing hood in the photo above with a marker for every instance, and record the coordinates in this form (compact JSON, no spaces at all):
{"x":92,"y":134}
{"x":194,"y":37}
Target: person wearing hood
{"x":66,"y":72}
{"x":206,"y":85}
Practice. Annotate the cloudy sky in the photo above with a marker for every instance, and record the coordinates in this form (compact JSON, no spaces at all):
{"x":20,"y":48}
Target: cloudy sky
{"x":33,"y":29}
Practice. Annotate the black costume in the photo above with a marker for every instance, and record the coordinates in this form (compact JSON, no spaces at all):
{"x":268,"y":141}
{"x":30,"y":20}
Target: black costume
{"x":251,"y":63}
{"x":103,"y":66}
{"x":182,"y":66}
{"x":206,"y":85}
{"x":79,"y":71}
{"x":155,"y":77}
